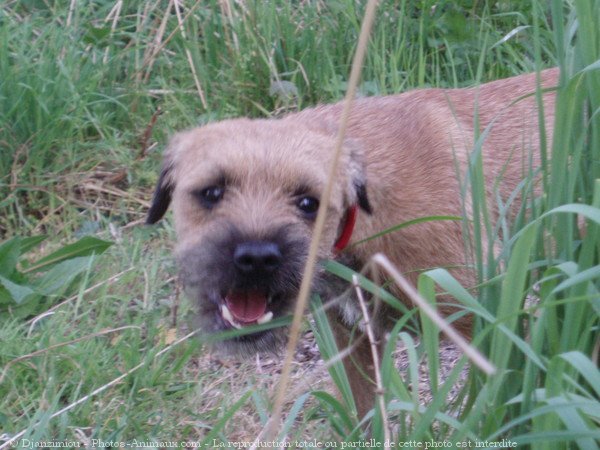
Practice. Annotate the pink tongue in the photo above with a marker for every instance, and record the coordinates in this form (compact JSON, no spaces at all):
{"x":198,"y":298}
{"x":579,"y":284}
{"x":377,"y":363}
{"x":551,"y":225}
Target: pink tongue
{"x":246,"y":307}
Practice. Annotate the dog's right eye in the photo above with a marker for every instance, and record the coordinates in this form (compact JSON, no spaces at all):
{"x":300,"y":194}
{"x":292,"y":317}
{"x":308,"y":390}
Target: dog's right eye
{"x":309,"y":206}
{"x":210,"y":196}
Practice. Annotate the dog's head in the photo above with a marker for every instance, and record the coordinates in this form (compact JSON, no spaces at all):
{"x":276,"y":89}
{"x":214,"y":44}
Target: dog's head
{"x":245,"y":195}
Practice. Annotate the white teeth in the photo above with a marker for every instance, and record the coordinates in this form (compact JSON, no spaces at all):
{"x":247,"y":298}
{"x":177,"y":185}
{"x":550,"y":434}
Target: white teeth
{"x":265,"y":318}
{"x":228,"y":317}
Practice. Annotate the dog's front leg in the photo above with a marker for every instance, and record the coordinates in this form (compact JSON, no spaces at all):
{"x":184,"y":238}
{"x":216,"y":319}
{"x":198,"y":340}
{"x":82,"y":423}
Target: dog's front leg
{"x":358,"y":363}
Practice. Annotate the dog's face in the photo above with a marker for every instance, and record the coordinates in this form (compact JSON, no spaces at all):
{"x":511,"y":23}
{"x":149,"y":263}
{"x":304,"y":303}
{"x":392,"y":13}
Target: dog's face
{"x":245,"y":196}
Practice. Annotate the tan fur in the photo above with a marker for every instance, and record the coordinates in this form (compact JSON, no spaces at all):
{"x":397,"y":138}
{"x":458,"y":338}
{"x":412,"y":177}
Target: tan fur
{"x":411,"y":144}
{"x":407,"y":148}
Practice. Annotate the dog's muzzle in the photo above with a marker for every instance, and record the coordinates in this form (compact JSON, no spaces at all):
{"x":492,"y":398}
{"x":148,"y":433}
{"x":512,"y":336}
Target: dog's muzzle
{"x":254,"y":260}
{"x":237,"y":280}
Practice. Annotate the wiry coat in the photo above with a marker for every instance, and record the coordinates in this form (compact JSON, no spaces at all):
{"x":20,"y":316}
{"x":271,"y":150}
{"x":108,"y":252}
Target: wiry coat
{"x":243,"y":193}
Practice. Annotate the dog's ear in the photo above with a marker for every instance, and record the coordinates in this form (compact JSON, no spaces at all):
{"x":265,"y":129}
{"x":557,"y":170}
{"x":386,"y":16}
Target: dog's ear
{"x":162,"y":195}
{"x":358,"y":177}
{"x":362,"y":198}
{"x":357,"y":183}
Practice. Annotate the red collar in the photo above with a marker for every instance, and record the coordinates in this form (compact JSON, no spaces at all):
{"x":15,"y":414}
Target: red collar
{"x":349,"y":222}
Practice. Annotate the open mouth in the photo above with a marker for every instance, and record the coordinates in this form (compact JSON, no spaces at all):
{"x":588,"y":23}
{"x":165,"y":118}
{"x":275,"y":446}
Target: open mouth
{"x":240,"y":309}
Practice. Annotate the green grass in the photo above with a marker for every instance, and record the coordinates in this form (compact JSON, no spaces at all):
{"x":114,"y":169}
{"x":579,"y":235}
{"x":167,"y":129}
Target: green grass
{"x":80,"y":143}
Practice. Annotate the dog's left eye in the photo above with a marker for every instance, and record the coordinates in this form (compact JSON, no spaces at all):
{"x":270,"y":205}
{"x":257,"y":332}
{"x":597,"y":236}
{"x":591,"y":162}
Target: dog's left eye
{"x":309,"y":206}
{"x":210,"y":196}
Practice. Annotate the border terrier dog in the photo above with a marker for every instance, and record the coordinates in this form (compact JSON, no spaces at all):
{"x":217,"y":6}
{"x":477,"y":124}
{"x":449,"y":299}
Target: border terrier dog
{"x":245,"y":194}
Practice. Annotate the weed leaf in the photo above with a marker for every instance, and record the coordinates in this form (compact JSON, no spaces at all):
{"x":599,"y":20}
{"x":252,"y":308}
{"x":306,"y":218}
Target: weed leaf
{"x":18,"y":292}
{"x":85,"y":246}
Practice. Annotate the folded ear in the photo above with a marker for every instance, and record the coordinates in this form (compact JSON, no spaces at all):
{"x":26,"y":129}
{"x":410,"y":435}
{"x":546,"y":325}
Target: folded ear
{"x":363,"y":200}
{"x":162,"y":195}
{"x":357,"y":193}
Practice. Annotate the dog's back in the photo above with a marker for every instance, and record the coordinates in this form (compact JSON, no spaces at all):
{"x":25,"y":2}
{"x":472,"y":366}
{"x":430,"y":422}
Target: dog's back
{"x":416,"y":148}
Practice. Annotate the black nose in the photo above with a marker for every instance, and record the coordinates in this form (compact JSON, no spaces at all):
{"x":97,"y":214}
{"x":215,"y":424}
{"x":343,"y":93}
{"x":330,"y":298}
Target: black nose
{"x":257,"y":256}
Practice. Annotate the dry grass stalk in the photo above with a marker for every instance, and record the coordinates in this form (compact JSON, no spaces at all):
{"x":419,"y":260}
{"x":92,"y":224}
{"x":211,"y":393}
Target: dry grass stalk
{"x":188,"y":54}
{"x":376,"y":358}
{"x":302,"y":302}
{"x":471,"y":352}
{"x":153,"y":49}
